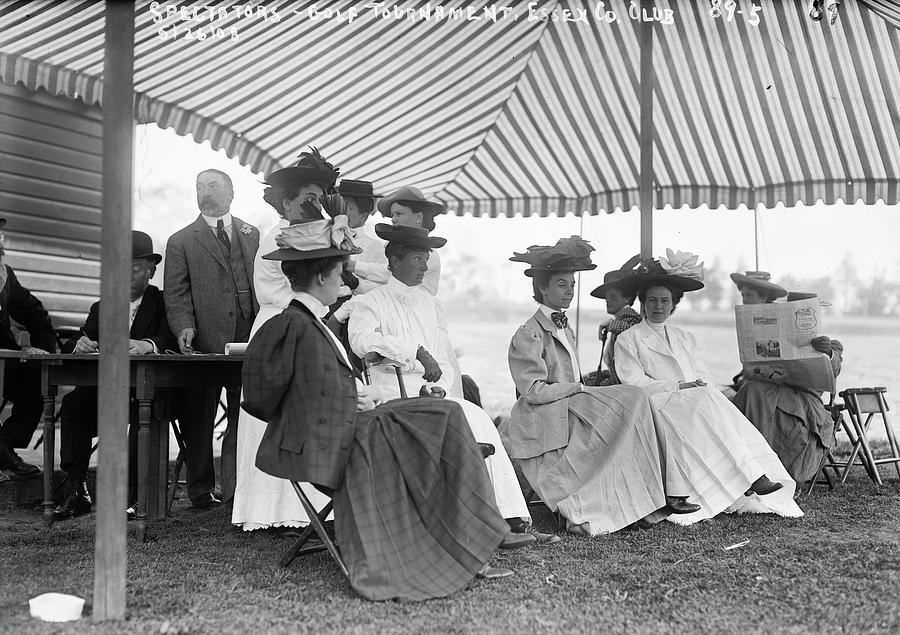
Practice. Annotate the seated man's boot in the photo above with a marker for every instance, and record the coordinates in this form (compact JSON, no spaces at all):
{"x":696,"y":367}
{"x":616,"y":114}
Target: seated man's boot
{"x":10,"y":461}
{"x":77,"y":503}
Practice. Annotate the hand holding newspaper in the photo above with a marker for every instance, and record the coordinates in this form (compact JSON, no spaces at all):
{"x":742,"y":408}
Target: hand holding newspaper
{"x":774,"y":341}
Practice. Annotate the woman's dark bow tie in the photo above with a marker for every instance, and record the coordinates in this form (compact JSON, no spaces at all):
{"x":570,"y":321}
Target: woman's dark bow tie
{"x":559,"y":319}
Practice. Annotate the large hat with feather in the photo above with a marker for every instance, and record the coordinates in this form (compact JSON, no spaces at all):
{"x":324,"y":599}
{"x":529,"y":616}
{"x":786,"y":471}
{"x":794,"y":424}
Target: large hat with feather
{"x":759,"y":280}
{"x":679,"y":271}
{"x":311,"y":167}
{"x":312,"y":239}
{"x":568,"y":254}
{"x":611,"y":279}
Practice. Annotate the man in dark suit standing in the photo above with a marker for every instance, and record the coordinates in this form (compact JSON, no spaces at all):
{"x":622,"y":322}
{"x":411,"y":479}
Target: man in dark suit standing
{"x":149,"y":333}
{"x":210,"y":301}
{"x":22,"y":384}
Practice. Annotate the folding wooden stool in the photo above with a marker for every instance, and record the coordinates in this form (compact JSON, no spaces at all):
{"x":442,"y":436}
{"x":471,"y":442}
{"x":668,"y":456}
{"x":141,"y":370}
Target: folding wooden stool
{"x":870,"y":402}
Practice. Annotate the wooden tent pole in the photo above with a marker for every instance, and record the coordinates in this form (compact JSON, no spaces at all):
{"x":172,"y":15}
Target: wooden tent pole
{"x":645,"y":191}
{"x":110,"y":556}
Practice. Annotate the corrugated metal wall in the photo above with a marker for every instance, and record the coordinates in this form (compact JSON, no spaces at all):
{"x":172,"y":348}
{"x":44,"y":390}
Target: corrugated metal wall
{"x":50,"y":190}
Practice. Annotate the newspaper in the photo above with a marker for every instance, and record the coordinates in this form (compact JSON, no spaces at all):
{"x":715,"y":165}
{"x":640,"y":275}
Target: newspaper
{"x":774,"y":344}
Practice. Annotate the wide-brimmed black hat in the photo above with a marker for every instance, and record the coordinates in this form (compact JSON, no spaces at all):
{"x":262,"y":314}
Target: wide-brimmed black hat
{"x":683,"y":275}
{"x":413,"y":197}
{"x":409,"y":236}
{"x":313,"y":239}
{"x":567,"y":255}
{"x":611,"y":278}
{"x":759,"y":280}
{"x":311,"y":167}
{"x":356,"y":189}
{"x":141,"y":247}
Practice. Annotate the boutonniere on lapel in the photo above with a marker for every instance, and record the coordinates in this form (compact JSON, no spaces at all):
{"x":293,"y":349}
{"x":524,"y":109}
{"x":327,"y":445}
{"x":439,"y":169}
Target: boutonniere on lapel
{"x":246,"y":229}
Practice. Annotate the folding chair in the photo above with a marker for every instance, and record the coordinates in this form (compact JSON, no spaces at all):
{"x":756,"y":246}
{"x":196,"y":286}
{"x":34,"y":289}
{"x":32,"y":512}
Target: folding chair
{"x":179,"y":463}
{"x":317,"y":518}
{"x":870,"y":402}
{"x":829,"y":462}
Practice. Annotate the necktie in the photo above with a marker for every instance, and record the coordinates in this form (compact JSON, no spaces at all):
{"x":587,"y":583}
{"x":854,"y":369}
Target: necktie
{"x":559,"y":319}
{"x":223,"y":235}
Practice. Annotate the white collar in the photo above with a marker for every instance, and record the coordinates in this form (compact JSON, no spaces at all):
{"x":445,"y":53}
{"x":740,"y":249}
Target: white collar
{"x":212,"y":221}
{"x":312,"y":303}
{"x":402,"y":287}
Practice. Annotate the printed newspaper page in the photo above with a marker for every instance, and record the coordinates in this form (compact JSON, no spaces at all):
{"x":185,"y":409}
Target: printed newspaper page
{"x":774,"y":344}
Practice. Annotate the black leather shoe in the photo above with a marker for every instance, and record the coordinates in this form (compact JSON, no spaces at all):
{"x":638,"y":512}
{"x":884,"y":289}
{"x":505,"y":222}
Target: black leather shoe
{"x":763,"y":486}
{"x":679,"y":505}
{"x":206,"y":501}
{"x":77,"y":503}
{"x":11,"y":462}
{"x":487,"y":449}
{"x":517,"y":541}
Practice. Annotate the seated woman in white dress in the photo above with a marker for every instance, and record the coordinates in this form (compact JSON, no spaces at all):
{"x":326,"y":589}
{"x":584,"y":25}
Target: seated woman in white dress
{"x":590,"y":453}
{"x":716,"y":455}
{"x":262,"y":501}
{"x":405,"y":324}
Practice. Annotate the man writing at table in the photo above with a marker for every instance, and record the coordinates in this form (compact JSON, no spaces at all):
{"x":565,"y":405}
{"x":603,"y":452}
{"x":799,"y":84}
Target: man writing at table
{"x":149,"y":333}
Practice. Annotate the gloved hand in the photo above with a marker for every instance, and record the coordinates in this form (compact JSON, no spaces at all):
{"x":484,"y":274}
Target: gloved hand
{"x":432,"y":368}
{"x":822,"y":344}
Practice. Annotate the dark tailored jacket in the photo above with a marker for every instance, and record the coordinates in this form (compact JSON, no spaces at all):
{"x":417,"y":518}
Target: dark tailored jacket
{"x":150,"y":323}
{"x":198,"y":284}
{"x":17,"y":302}
{"x":296,"y":379}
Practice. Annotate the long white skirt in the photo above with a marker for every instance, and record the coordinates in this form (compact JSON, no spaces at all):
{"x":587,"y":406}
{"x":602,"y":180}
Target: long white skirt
{"x":507,"y":492}
{"x":712,"y":454}
{"x":260,"y":500}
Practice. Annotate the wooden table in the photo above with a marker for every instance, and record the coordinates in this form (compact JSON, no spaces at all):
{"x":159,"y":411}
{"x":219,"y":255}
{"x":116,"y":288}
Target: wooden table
{"x":147,"y":373}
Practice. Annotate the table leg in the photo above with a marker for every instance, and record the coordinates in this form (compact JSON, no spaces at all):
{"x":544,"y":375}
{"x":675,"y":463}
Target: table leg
{"x":144,"y":459}
{"x":49,"y":451}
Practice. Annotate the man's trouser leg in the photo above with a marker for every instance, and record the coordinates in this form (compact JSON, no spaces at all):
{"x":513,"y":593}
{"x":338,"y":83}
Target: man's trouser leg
{"x":198,"y":419}
{"x":22,"y":387}
{"x":77,"y":429}
{"x":229,"y":442}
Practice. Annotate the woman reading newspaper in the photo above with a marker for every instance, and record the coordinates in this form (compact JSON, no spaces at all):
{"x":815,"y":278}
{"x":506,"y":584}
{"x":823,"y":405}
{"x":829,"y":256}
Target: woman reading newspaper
{"x":792,"y":418}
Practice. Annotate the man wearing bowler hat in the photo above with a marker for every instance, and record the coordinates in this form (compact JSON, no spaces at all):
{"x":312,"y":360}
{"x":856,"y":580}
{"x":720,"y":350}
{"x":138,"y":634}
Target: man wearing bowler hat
{"x":148,"y":333}
{"x":210,"y":301}
{"x":408,"y":207}
{"x":22,"y":386}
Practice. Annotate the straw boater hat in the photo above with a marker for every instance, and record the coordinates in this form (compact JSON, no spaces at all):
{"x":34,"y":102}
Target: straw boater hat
{"x":313,"y":239}
{"x":567,"y":255}
{"x":141,"y":247}
{"x":759,"y":280}
{"x":414,"y":198}
{"x":611,"y":278}
{"x":410,"y":236}
{"x":678,"y":271}
{"x":311,"y":167}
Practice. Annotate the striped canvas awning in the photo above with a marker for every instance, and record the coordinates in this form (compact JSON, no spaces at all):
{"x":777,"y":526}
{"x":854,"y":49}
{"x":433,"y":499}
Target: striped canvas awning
{"x":496,"y":113}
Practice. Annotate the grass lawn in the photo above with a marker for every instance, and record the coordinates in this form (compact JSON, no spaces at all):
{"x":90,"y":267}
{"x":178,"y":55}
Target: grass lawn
{"x":836,"y":569}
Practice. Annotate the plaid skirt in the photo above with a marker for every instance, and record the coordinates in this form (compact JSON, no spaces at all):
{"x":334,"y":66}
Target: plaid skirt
{"x":416,"y":517}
